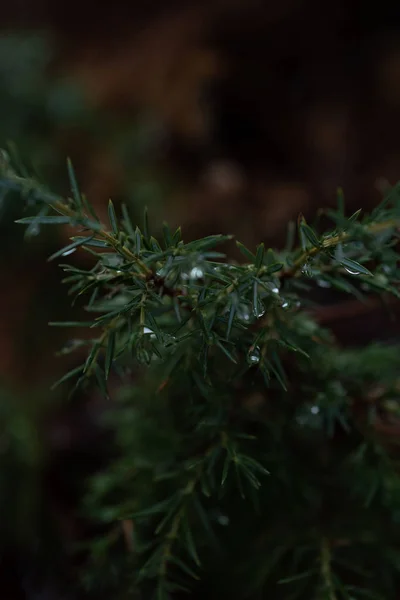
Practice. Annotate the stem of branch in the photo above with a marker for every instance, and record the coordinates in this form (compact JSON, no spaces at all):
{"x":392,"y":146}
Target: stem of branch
{"x":332,"y":242}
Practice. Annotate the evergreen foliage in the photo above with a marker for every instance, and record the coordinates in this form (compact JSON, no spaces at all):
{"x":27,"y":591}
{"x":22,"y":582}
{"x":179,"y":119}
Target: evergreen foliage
{"x":250,"y":460}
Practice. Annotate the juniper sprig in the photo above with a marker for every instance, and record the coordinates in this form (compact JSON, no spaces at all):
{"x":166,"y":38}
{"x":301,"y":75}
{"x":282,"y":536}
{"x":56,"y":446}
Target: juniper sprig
{"x":250,"y":456}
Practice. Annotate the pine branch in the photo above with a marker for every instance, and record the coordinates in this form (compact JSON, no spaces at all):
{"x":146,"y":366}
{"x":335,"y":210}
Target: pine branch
{"x":332,"y":242}
{"x":199,"y":334}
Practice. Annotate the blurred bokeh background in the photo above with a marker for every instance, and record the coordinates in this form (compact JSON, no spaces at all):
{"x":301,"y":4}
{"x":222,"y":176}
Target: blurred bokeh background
{"x":222,"y":116}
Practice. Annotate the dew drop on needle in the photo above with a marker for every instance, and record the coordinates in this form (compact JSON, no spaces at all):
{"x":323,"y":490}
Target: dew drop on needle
{"x":351,"y":271}
{"x":254,"y":355}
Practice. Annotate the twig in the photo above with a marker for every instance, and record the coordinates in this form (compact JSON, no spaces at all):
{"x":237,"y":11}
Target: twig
{"x":332,"y":242}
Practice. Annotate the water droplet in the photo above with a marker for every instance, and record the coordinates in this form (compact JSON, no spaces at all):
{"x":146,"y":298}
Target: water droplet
{"x":285,"y":305}
{"x":223,"y":520}
{"x":306,"y":270}
{"x":322,"y":283}
{"x":34,"y":229}
{"x":351,"y":271}
{"x":243,"y":313}
{"x":261,"y":311}
{"x":196,"y":273}
{"x":146,"y":330}
{"x":254,"y":355}
{"x":275,"y":290}
{"x":309,"y":416}
{"x":68,"y":252}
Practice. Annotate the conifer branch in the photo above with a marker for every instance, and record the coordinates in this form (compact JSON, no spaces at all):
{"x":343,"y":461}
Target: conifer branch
{"x":215,"y":332}
{"x":331,"y":242}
